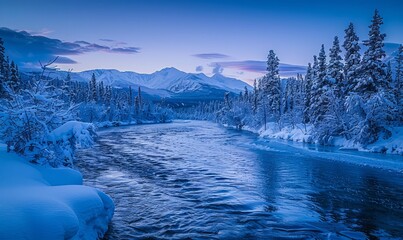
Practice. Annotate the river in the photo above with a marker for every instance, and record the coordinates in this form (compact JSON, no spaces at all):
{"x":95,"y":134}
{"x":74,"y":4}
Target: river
{"x":197,"y":180}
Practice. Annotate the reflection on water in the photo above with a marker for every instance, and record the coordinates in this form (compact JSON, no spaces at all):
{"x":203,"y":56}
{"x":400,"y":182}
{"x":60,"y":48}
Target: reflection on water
{"x":198,"y":180}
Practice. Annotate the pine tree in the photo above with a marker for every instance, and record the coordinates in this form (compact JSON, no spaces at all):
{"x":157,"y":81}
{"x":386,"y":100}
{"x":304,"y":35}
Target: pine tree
{"x":271,"y":89}
{"x":335,"y":68}
{"x":398,"y":86}
{"x":14,"y":81}
{"x":108,"y":95}
{"x":101,"y":92}
{"x":352,"y":59}
{"x":308,"y":94}
{"x":321,"y":88}
{"x":130,"y":102}
{"x":255,"y":97}
{"x":374,"y":69}
{"x":93,"y":89}
{"x":2,"y":69}
{"x":246,"y":95}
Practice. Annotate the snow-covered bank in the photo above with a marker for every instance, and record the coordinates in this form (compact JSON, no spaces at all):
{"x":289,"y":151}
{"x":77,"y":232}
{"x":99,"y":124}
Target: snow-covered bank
{"x":301,"y":133}
{"x":109,"y":124}
{"x":48,"y":203}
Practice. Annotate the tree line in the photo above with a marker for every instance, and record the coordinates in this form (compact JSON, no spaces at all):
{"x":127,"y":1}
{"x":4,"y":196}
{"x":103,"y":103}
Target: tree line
{"x":358,"y":98}
{"x":32,"y":105}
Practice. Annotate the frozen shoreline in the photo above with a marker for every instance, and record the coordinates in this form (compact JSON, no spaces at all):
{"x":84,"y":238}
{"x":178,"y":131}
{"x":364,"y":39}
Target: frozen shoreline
{"x":342,"y":151}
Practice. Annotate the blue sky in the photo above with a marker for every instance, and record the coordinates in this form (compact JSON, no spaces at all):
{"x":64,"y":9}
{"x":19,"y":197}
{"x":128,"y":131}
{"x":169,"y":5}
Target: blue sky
{"x":231,"y":37}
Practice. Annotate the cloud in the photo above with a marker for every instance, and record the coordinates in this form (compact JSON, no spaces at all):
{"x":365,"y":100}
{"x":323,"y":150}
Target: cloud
{"x":199,"y":68}
{"x":210,"y":55}
{"x":65,"y":60}
{"x":217,"y":68}
{"x":27,"y":49}
{"x":260,"y":67}
{"x":125,"y":50}
{"x":106,"y":40}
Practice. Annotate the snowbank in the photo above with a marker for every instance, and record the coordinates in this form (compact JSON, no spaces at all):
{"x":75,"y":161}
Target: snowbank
{"x":47,"y":203}
{"x":63,"y":141}
{"x":301,"y":133}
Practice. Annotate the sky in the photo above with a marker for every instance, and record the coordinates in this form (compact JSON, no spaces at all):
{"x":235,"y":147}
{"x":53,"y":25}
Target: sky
{"x":231,"y":37}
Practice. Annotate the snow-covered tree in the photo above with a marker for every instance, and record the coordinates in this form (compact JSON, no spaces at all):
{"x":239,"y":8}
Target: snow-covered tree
{"x":14,"y":81}
{"x":93,"y":89}
{"x":308,"y":94}
{"x":374,"y":68}
{"x":271,"y":89}
{"x":398,"y":86}
{"x":320,"y":88}
{"x":335,"y":68}
{"x":352,"y":59}
{"x":2,"y":69}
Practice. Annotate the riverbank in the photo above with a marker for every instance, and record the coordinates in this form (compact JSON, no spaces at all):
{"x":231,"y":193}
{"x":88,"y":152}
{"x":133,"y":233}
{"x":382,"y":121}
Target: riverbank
{"x":303,"y":134}
{"x":39,"y":202}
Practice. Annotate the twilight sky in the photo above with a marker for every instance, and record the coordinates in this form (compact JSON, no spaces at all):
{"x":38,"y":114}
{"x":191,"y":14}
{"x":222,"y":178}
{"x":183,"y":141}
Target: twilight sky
{"x":231,"y":37}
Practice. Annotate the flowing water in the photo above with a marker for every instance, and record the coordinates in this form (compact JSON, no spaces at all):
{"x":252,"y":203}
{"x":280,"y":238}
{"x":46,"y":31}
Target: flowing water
{"x":197,"y":180}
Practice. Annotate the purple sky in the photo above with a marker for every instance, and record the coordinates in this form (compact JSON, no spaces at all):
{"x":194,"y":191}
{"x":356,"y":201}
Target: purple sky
{"x":231,"y":37}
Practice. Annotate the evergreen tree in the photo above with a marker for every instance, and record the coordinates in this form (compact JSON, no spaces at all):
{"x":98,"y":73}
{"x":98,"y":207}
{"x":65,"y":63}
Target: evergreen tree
{"x":130,"y":102}
{"x":271,"y":88}
{"x":2,"y":69}
{"x":320,"y":89}
{"x":246,"y":95}
{"x":335,"y":68}
{"x":101,"y":92}
{"x":255,"y":97}
{"x":14,"y":81}
{"x":108,"y":95}
{"x":93,"y":89}
{"x":374,"y":69}
{"x":399,"y":82}
{"x":308,"y":94}
{"x":352,"y":59}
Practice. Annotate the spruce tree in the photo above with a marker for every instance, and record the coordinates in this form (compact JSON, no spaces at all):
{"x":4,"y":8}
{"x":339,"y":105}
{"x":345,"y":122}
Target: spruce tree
{"x":93,"y":88}
{"x":399,"y":82}
{"x":321,"y":87}
{"x":255,"y":97}
{"x":307,"y":94}
{"x":14,"y":81}
{"x":335,"y":68}
{"x":271,"y":86}
{"x":246,"y":95}
{"x":373,"y":78}
{"x":352,"y":59}
{"x":2,"y":69}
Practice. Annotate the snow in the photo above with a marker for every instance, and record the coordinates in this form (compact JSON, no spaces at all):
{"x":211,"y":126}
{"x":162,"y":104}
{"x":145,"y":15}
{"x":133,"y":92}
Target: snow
{"x":302,"y":133}
{"x":298,"y":133}
{"x":46,"y":203}
{"x":81,"y":131}
{"x":162,"y":83}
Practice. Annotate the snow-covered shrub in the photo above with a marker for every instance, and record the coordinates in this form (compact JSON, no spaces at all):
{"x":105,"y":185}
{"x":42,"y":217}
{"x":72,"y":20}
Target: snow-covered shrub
{"x":63,"y":141}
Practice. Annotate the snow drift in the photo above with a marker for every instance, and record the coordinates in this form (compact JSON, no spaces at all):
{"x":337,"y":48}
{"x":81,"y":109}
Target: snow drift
{"x":48,"y":203}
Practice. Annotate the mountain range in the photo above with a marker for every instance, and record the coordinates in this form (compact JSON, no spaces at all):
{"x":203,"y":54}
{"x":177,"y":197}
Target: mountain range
{"x":168,"y":83}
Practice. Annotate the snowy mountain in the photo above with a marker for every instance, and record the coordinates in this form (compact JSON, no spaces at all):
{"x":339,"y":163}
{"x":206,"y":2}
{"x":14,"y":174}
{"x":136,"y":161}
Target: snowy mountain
{"x":167,"y":83}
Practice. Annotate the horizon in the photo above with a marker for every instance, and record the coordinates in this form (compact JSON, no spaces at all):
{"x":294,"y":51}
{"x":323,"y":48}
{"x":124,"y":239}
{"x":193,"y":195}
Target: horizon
{"x":208,"y":37}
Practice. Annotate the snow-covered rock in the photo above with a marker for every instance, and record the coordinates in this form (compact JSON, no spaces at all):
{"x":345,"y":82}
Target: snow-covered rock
{"x":47,"y":203}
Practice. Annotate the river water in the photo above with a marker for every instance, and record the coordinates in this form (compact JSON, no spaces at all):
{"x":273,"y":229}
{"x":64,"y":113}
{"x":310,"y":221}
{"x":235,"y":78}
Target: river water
{"x":197,"y":180}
